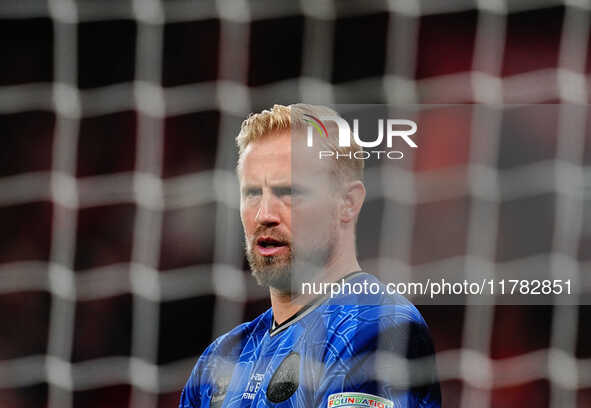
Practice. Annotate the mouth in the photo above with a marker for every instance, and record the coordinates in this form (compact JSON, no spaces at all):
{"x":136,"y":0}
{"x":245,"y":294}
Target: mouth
{"x":268,"y":246}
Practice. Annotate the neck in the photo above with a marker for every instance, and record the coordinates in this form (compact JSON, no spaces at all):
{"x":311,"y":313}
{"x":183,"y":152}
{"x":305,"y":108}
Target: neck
{"x":285,"y":305}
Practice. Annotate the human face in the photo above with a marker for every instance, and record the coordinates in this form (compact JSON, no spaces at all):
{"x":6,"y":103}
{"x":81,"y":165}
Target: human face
{"x":271,"y":200}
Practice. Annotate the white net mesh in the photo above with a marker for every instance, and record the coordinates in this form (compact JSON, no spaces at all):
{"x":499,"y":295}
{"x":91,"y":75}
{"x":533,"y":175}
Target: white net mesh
{"x":165,"y":200}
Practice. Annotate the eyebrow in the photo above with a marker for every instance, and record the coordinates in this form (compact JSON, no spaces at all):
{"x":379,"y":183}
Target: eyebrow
{"x":280,"y":189}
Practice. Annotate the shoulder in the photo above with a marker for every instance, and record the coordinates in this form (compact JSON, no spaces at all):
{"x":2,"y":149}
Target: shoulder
{"x":368,"y":302}
{"x":357,"y":323}
{"x":225,"y":350}
{"x":235,"y":340}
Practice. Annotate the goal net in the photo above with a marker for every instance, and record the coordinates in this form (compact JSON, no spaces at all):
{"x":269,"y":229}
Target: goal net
{"x":121,"y":256}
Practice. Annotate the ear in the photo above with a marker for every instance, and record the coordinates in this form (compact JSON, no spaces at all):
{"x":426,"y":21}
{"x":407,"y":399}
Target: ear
{"x":353,"y":198}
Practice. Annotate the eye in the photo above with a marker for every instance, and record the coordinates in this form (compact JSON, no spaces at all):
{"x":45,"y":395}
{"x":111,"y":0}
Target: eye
{"x":283,"y":191}
{"x":252,"y":192}
{"x":287,"y":191}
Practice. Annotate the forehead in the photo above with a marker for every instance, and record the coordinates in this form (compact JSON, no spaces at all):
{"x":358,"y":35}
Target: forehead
{"x":280,"y":157}
{"x":269,"y":154}
{"x":272,"y":143}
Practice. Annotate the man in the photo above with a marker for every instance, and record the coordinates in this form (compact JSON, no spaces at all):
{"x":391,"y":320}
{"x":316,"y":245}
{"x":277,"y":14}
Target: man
{"x":299,"y":215}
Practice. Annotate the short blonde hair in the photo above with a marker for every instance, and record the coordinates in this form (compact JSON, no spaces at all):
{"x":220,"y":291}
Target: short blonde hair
{"x":290,"y":117}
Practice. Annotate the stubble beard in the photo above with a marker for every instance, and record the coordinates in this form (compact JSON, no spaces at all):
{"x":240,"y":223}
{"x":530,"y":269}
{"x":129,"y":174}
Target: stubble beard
{"x":286,"y":272}
{"x":271,"y":271}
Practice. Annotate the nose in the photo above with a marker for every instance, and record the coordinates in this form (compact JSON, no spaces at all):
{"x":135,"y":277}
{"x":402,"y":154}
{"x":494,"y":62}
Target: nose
{"x":268,"y":213}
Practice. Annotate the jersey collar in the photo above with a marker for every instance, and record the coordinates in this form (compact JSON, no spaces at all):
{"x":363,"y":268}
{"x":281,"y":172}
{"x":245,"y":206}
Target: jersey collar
{"x":309,"y":307}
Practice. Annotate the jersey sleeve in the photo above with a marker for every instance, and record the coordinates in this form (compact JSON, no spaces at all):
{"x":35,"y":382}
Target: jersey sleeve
{"x":386,"y":360}
{"x":209,"y":379}
{"x":200,"y":383}
{"x":191,"y":394}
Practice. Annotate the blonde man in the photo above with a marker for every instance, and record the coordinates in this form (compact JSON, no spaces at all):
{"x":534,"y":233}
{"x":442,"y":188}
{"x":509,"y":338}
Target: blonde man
{"x":299,"y":210}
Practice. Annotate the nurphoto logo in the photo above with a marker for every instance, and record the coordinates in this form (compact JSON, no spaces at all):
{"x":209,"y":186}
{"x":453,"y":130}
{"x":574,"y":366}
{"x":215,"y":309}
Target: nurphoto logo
{"x":387,"y":129}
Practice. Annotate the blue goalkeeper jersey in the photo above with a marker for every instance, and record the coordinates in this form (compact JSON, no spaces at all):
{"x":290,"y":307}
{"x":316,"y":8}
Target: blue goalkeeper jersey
{"x":369,"y":350}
